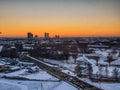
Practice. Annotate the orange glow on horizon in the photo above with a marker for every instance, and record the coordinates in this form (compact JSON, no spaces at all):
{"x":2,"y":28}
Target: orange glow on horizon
{"x":64,"y":30}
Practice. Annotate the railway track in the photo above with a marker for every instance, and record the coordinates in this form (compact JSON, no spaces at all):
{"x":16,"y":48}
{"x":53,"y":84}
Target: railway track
{"x":76,"y":82}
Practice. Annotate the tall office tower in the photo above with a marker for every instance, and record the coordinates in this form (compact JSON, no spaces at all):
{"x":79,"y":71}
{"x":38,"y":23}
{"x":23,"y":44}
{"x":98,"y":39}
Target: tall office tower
{"x":30,"y":36}
{"x":46,"y":35}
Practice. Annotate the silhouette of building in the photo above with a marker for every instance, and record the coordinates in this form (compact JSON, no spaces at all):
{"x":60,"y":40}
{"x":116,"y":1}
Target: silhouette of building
{"x":36,"y":37}
{"x":30,"y":36}
{"x":57,"y":36}
{"x":46,"y":35}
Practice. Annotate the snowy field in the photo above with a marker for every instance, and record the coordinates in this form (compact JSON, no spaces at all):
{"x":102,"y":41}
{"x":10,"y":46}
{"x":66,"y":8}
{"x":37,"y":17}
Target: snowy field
{"x":41,"y":75}
{"x":38,"y":79}
{"x":66,"y":67}
{"x":104,"y":86}
{"x":70,"y":65}
{"x":6,"y":84}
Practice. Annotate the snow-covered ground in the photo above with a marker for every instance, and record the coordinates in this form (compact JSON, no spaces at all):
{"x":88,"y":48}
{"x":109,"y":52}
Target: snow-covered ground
{"x":66,"y":67}
{"x":63,"y":63}
{"x":6,"y":84}
{"x":38,"y":79}
{"x":70,"y":65}
{"x":103,"y":85}
{"x":41,"y":75}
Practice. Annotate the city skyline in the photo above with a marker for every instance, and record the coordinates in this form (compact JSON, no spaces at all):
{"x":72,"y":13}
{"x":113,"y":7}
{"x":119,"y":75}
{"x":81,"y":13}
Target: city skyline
{"x":60,"y":17}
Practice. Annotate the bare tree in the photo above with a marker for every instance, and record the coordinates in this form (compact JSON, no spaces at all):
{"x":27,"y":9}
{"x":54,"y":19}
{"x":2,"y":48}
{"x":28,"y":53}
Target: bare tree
{"x":74,"y":55}
{"x":115,"y":73}
{"x":74,"y":50}
{"x":78,"y":70}
{"x":100,"y":71}
{"x":97,"y":59}
{"x":106,"y":71}
{"x":109,"y":58}
{"x":90,"y":70}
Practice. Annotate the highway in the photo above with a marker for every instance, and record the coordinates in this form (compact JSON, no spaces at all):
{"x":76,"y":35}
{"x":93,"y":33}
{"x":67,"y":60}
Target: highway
{"x":75,"y":81}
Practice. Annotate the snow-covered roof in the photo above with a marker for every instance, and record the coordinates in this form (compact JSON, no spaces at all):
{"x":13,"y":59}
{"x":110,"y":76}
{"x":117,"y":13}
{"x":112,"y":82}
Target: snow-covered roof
{"x":103,"y":63}
{"x":116,"y":62}
{"x":28,"y":48}
{"x":80,"y":59}
{"x":27,"y":63}
{"x":1,"y":64}
{"x":98,"y":46}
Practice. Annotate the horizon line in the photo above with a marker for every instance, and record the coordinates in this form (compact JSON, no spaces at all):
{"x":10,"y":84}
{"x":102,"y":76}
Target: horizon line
{"x":54,"y":36}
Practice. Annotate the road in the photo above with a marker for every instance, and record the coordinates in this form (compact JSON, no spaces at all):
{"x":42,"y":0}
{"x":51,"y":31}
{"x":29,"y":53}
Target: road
{"x":76,"y":82}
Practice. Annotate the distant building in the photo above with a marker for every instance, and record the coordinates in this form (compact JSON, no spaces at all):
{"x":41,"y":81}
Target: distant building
{"x":36,"y":37}
{"x":57,"y":37}
{"x":29,"y":36}
{"x":46,"y":35}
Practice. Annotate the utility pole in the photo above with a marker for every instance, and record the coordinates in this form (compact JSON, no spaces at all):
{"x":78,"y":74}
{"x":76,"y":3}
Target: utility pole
{"x":42,"y":87}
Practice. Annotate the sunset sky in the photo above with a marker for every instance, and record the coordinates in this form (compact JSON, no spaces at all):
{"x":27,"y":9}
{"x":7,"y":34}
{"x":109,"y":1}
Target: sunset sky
{"x":61,"y":17}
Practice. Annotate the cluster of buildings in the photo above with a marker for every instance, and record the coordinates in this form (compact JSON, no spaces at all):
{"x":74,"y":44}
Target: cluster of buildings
{"x":30,"y":36}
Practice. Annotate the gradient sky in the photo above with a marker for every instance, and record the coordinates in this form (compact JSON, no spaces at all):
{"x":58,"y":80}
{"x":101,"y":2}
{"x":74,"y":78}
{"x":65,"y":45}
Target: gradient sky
{"x":63,"y":17}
